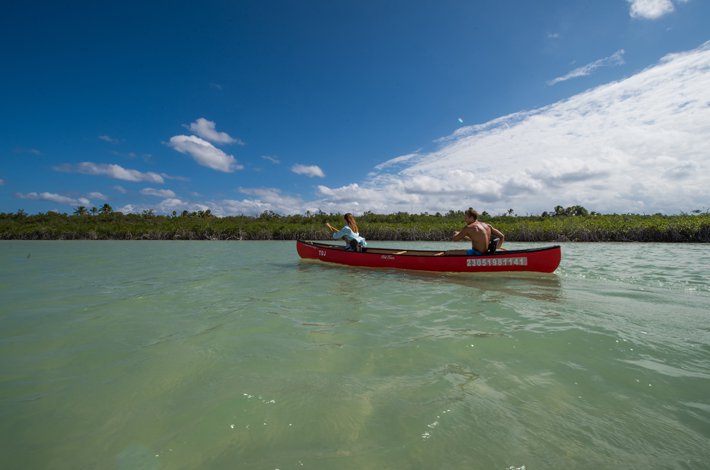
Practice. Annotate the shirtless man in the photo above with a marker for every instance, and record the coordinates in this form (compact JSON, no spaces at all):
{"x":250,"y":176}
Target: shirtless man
{"x":480,"y":234}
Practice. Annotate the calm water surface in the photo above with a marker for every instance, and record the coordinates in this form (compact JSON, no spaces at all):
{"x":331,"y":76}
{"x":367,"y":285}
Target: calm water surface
{"x":230,"y":355}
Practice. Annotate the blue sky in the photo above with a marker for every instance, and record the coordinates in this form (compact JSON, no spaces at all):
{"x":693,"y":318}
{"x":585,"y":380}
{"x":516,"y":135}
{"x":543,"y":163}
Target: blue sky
{"x":241,"y":107}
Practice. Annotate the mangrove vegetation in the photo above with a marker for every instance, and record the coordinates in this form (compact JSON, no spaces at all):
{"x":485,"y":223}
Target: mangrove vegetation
{"x":561,"y":224}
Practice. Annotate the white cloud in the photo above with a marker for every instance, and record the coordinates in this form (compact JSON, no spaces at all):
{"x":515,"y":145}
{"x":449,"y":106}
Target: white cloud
{"x":120,"y":189}
{"x":166,"y":206}
{"x":275,"y":200}
{"x":205,"y":153}
{"x":635,"y":145}
{"x":97,"y":195}
{"x":53,"y":197}
{"x":257,"y":201}
{"x":650,"y":9}
{"x":30,"y":151}
{"x":229,"y":207}
{"x":617,"y":58}
{"x":207,"y":130}
{"x":273,"y":160}
{"x":396,"y":161}
{"x":308,"y":170}
{"x":109,"y":139}
{"x":112,"y":171}
{"x":166,"y":193}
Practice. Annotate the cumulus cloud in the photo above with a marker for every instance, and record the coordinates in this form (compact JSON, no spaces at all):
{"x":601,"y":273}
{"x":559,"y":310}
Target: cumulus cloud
{"x":308,"y":170}
{"x":208,"y":130}
{"x":166,"y":193}
{"x":112,"y":171}
{"x":635,"y":145}
{"x":650,"y":9}
{"x":617,"y":58}
{"x":53,"y":197}
{"x":204,"y":153}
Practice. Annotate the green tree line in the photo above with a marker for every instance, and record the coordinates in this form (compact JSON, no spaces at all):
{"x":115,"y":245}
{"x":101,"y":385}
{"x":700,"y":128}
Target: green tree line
{"x":561,"y":224}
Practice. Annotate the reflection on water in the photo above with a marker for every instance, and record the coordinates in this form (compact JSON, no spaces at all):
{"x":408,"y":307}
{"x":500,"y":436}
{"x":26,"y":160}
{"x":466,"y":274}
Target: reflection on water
{"x":537,"y":286}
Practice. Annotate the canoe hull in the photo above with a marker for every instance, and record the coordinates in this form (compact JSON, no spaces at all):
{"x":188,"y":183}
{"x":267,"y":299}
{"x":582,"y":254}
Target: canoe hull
{"x":544,"y":260}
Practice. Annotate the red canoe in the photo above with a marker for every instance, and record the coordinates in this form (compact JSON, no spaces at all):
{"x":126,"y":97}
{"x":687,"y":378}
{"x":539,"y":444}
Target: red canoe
{"x":543,"y":260}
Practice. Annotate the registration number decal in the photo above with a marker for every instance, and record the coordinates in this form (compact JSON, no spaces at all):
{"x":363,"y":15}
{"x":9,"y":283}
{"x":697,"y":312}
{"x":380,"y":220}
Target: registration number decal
{"x":478,"y":262}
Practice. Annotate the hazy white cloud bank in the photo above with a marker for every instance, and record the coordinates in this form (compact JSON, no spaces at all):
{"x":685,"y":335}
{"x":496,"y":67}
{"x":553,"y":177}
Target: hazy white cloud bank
{"x":254,"y":201}
{"x":258,"y":200}
{"x":636,"y":145}
{"x":53,"y":197}
{"x":166,"y":206}
{"x":112,"y":171}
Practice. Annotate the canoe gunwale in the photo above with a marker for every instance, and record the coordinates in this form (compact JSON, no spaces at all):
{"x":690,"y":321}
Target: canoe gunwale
{"x":426,"y":253}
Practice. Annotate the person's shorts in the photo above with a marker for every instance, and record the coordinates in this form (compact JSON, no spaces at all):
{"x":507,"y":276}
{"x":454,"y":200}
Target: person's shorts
{"x":473,"y":252}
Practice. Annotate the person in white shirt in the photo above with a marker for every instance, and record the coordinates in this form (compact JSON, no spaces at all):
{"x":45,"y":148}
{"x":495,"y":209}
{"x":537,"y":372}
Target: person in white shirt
{"x":349,"y":233}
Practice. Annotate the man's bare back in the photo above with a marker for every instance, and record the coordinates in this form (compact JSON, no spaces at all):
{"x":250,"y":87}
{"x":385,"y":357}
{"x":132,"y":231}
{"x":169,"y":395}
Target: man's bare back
{"x":479,"y":233}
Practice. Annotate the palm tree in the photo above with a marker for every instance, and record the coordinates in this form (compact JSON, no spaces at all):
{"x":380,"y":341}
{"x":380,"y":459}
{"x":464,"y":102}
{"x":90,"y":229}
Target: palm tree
{"x":106,"y":209}
{"x":81,"y":210}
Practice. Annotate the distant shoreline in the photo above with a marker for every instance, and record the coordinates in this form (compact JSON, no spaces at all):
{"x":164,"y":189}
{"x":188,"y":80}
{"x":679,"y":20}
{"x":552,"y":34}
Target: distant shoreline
{"x":374,"y":227}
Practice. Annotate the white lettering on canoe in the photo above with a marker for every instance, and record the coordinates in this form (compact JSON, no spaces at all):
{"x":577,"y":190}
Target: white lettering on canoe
{"x":321,"y":252}
{"x":485,"y":262}
{"x":387,"y":257}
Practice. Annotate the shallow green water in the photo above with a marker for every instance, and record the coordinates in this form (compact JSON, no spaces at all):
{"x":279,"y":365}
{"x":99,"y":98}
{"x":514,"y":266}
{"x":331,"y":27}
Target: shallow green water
{"x":237,"y":355}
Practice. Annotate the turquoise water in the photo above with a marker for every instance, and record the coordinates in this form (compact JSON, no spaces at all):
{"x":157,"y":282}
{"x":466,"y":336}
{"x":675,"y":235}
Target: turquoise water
{"x":238,"y":355}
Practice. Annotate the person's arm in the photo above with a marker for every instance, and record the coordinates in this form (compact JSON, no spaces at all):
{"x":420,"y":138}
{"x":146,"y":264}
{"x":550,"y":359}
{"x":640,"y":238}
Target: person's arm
{"x":458,"y":236}
{"x":495,"y":233}
{"x":330,"y":227}
{"x":345,"y":233}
